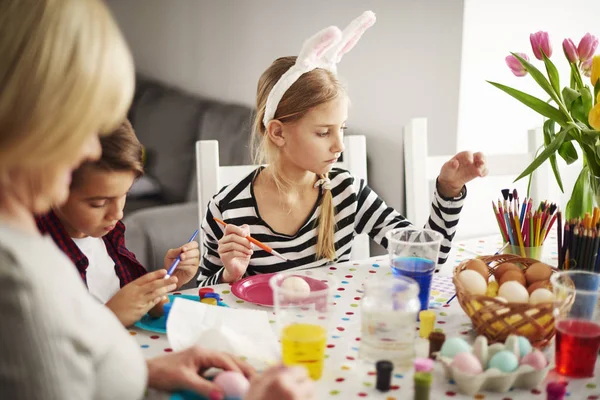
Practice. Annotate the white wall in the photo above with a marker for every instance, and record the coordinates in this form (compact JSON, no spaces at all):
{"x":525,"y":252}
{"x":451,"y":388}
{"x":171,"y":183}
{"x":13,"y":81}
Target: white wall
{"x":406,"y":65}
{"x":491,"y":120}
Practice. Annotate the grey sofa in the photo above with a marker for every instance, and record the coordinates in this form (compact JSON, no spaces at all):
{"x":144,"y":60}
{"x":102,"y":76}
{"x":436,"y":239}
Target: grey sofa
{"x":162,"y":209}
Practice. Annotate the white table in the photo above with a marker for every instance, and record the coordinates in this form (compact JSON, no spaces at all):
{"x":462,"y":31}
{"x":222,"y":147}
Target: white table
{"x":345,"y":377}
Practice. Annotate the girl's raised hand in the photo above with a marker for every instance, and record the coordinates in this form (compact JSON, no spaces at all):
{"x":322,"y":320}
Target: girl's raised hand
{"x":460,"y":169}
{"x":235,"y":252}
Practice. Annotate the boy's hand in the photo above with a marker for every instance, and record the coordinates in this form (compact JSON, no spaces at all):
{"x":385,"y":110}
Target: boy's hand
{"x":462,"y":168}
{"x":188,"y":266}
{"x":235,"y":252}
{"x":136,"y":298}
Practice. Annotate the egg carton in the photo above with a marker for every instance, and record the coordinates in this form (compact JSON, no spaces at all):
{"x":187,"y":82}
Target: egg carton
{"x":492,"y":379}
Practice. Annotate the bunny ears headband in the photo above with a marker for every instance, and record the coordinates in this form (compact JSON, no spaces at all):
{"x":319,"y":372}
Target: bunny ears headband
{"x":323,"y":50}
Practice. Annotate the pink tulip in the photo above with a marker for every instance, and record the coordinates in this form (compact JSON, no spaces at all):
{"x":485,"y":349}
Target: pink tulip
{"x":570,"y":51}
{"x":515,"y":65}
{"x":587,"y":47}
{"x":586,"y":67}
{"x":540,"y":42}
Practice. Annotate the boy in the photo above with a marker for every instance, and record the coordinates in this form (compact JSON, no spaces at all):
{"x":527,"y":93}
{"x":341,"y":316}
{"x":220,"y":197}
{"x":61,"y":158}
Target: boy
{"x":88,"y":229}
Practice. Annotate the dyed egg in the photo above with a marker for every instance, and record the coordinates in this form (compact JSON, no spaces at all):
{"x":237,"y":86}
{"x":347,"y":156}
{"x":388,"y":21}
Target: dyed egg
{"x":513,"y":292}
{"x":234,"y":384}
{"x":295,"y":288}
{"x":541,"y":296}
{"x":505,"y":361}
{"x":473,"y":282}
{"x":535,"y":359}
{"x":467,"y":363}
{"x":524,"y":346}
{"x":538,"y":272}
{"x":479,"y":266}
{"x":494,"y":349}
{"x":454,"y":346}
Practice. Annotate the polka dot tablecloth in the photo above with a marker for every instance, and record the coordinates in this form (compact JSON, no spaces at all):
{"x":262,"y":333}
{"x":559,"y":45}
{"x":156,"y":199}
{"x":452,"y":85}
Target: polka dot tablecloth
{"x":347,"y":377}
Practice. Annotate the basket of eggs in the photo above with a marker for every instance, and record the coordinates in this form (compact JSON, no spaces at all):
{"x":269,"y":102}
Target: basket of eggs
{"x":506,"y":295}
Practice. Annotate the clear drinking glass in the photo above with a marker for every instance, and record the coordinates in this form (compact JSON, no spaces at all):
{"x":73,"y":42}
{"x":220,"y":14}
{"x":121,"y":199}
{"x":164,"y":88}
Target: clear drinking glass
{"x":577,"y":326}
{"x":303,"y":317}
{"x":414,"y":254}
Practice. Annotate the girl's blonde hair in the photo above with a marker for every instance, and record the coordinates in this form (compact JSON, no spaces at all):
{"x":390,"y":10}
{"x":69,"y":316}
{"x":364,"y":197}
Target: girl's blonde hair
{"x":65,"y":74}
{"x":313,"y":88}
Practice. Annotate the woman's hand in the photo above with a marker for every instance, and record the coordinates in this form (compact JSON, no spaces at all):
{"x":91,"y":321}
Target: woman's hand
{"x":187,"y":268}
{"x":281,"y":383}
{"x":460,"y":169}
{"x":184,"y":369}
{"x":235,"y":252}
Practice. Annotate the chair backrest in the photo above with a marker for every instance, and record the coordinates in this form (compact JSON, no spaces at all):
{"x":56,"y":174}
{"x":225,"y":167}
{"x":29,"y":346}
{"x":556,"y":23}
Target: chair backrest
{"x":477,"y":218}
{"x":212,"y":177}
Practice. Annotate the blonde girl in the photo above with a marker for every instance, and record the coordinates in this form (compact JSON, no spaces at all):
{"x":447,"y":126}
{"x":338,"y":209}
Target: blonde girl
{"x":299,"y":204}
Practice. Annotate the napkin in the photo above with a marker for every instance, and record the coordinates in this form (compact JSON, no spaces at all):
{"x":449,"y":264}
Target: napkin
{"x":244,"y":333}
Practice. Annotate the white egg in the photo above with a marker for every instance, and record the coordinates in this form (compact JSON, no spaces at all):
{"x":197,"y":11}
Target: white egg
{"x":473,"y":282}
{"x":541,"y":296}
{"x":295,"y":288}
{"x":513,"y":292}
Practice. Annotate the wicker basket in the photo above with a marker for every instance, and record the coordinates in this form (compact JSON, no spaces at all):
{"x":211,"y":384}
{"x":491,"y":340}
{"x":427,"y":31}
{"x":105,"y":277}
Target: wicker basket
{"x":496,"y":320}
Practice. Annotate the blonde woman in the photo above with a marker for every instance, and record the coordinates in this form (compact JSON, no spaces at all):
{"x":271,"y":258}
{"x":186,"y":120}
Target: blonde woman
{"x":66,"y":75}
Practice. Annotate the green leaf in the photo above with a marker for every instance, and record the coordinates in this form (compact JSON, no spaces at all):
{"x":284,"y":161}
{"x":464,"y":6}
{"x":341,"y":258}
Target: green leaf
{"x":535,"y":104}
{"x":569,"y":96}
{"x":548,"y":136}
{"x":578,"y":111}
{"x":568,"y":152}
{"x":582,"y":200}
{"x":540,"y":79}
{"x":552,"y":75}
{"x":586,"y":96}
{"x":577,"y":75}
{"x":548,"y":151}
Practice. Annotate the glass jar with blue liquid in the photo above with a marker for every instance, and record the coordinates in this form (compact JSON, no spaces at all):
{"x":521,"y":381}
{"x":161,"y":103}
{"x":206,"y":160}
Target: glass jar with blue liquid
{"x":414,"y":254}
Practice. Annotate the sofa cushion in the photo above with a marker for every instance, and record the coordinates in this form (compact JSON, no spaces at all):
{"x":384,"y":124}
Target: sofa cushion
{"x":166,"y":123}
{"x":231,"y":125}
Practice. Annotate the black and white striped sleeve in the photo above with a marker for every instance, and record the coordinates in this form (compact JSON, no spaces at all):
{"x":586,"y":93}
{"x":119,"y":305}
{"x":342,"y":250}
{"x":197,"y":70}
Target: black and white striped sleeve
{"x":211,"y":266}
{"x":376,"y":218}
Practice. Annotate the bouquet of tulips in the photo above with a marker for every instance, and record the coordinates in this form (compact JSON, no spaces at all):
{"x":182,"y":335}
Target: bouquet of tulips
{"x":572,"y":113}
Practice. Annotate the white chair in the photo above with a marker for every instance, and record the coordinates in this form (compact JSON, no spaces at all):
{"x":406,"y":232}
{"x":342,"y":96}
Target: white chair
{"x":477,"y":218}
{"x":212,"y":177}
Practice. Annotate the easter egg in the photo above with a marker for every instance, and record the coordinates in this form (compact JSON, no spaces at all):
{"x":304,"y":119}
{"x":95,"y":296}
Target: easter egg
{"x":478,"y":266}
{"x":538,"y":272}
{"x":524,"y":346}
{"x":234,"y":384}
{"x":467,"y":363}
{"x":513,"y":292}
{"x":541,"y":296}
{"x":502,"y":268}
{"x":473,"y":282}
{"x":295,"y":288}
{"x":512,"y":275}
{"x":504,"y":361}
{"x":535,"y":359}
{"x":454,"y":346}
{"x":157,"y":311}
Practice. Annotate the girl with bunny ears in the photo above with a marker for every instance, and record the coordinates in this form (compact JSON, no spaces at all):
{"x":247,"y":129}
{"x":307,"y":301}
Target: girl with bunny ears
{"x":298,"y":204}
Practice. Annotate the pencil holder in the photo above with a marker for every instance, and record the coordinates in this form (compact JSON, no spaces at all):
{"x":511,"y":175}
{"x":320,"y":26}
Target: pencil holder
{"x":530,"y":252}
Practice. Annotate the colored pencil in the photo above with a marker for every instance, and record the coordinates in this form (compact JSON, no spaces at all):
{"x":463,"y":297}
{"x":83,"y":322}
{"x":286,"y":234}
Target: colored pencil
{"x":176,"y":262}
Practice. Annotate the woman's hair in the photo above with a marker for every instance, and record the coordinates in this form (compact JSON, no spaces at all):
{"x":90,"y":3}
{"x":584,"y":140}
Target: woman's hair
{"x":65,"y":74}
{"x":313,"y":88}
{"x":121,"y":151}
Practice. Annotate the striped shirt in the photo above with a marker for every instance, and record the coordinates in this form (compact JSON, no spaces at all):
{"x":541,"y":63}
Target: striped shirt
{"x":358,"y":210}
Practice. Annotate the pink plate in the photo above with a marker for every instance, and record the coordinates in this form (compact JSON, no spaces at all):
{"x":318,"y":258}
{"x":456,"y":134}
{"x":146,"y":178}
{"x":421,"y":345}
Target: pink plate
{"x":255,"y":289}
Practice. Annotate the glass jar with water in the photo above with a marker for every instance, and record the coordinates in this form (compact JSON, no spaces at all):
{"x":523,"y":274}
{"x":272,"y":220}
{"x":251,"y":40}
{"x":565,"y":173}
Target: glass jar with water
{"x":389,"y":310}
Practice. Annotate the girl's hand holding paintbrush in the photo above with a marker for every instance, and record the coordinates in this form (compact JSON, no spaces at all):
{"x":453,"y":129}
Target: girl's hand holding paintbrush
{"x":235,"y":251}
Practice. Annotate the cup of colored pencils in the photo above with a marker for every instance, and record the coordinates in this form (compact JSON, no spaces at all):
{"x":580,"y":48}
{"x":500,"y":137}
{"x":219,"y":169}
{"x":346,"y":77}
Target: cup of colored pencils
{"x":523,"y":228}
{"x":579,"y":243}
